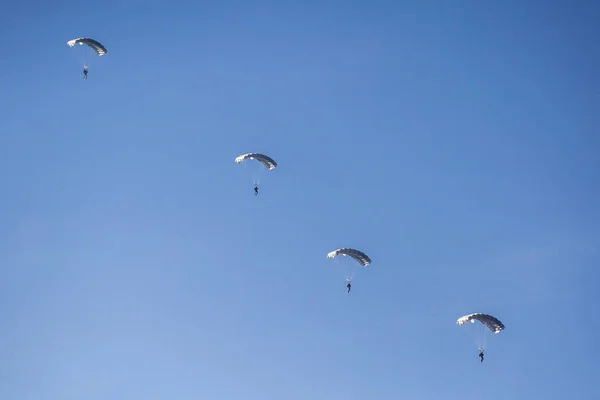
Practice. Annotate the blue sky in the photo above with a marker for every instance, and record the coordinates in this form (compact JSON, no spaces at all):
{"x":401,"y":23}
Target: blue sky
{"x":456,"y":144}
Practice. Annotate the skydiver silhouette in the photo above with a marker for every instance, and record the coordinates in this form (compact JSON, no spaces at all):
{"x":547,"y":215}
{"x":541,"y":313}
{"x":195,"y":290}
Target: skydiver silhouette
{"x":348,"y":285}
{"x":255,"y":189}
{"x":481,"y":355}
{"x":85,"y":71}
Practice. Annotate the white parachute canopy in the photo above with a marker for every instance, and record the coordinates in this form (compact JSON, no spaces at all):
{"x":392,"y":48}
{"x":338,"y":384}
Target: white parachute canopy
{"x":267,"y":161}
{"x":357,"y":255}
{"x":356,"y":260}
{"x":485,"y":324}
{"x":490,"y":322}
{"x":93,"y":44}
{"x":263,"y":164}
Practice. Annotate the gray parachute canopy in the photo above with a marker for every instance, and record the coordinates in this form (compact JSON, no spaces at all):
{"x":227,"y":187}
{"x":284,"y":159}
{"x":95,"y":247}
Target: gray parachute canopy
{"x":492,"y":323}
{"x":357,"y":255}
{"x":95,"y":45}
{"x":267,"y":161}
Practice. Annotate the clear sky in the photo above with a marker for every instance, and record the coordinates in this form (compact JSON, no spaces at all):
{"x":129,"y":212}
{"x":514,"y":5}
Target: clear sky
{"x":455,"y":142}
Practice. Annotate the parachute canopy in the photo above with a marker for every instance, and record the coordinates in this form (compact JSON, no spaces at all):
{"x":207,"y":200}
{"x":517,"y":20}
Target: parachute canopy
{"x":267,"y":161}
{"x":357,"y":255}
{"x":95,"y":45}
{"x":492,"y":323}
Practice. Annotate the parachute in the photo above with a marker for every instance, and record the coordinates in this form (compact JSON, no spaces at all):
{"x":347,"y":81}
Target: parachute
{"x":482,"y":331}
{"x":357,"y":255}
{"x":350,"y":267}
{"x":257,"y":169}
{"x":267,"y":161}
{"x":93,"y":44}
{"x":492,"y":323}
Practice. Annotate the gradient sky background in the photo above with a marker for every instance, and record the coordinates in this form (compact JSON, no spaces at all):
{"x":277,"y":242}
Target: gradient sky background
{"x":455,"y":142}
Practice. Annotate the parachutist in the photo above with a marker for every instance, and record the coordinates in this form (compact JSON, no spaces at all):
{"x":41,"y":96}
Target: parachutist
{"x":490,"y":322}
{"x":96,"y":46}
{"x":264,"y":161}
{"x":348,"y":286}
